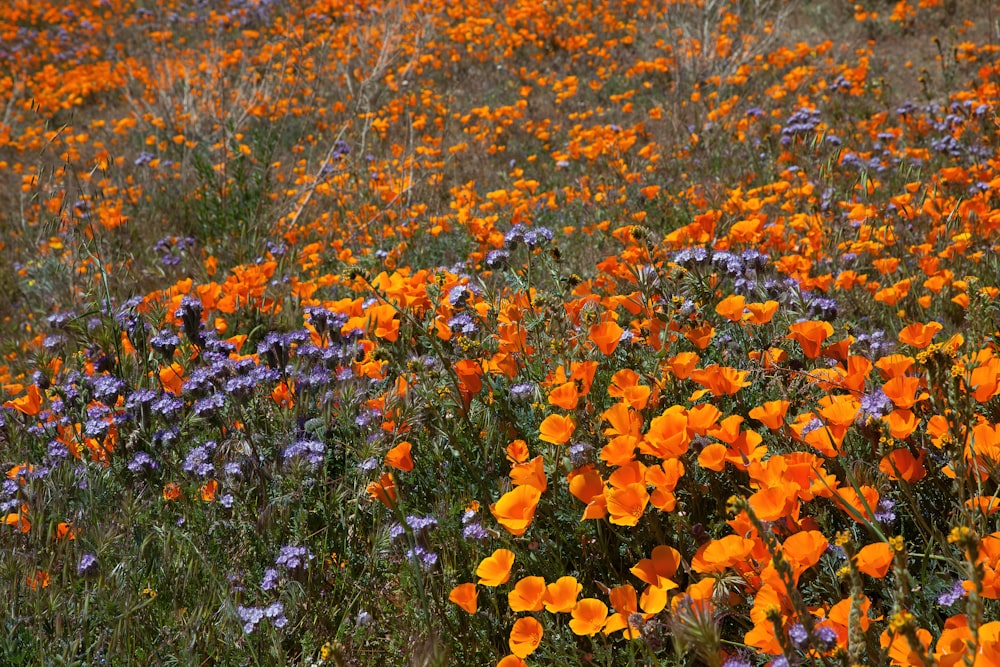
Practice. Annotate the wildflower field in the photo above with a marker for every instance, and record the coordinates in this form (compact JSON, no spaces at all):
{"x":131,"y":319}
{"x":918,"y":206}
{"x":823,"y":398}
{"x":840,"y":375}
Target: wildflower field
{"x":562,"y":332}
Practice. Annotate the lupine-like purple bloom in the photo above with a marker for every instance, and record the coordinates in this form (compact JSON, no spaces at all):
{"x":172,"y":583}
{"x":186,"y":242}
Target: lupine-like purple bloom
{"x":87,"y":563}
{"x":142,"y":460}
{"x":270,"y":580}
{"x":310,"y":451}
{"x":798,"y":635}
{"x":291,"y":557}
{"x":952,"y":595}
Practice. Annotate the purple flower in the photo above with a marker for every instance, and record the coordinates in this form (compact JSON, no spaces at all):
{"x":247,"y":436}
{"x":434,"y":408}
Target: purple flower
{"x":291,"y":557}
{"x":270,"y":579}
{"x":310,"y":451}
{"x":798,"y":635}
{"x":952,"y":595}
{"x":87,"y":562}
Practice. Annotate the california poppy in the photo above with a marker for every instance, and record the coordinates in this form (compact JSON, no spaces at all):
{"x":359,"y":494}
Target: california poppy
{"x":556,"y":429}
{"x":919,"y":335}
{"x":399,"y":457}
{"x":810,"y":335}
{"x":525,"y":636}
{"x":495,"y":569}
{"x":589,"y":617}
{"x":384,"y":490}
{"x":606,"y":336}
{"x":527,"y":594}
{"x":560,"y":596}
{"x":516,"y":509}
{"x":465,"y":596}
{"x":874,"y":559}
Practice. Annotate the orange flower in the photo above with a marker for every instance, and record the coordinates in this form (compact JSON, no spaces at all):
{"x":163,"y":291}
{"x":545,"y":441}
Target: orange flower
{"x":804,"y":549}
{"x":495,"y":569}
{"x":901,"y":464}
{"x":384,"y":490}
{"x":771,"y":414}
{"x":512,"y":661}
{"x":717,"y":555}
{"x":517,"y":451}
{"x":465,"y":596}
{"x":721,"y":380}
{"x":525,"y":636}
{"x":902,"y":391}
{"x":560,"y":596}
{"x":627,"y":504}
{"x":29,"y":404}
{"x":659,"y":569}
{"x":810,"y":336}
{"x":874,"y":559}
{"x":171,"y":491}
{"x":901,"y":652}
{"x":208,"y":490}
{"x":516,"y":509}
{"x":761,"y":313}
{"x":774,"y":502}
{"x":919,"y":335}
{"x":606,"y":336}
{"x":40,"y":579}
{"x":732,"y":307}
{"x":19,"y":520}
{"x":531,"y":473}
{"x":65,"y":531}
{"x":527,"y":594}
{"x":399,"y":457}
{"x":172,"y":378}
{"x":589,"y":616}
{"x":565,"y":396}
{"x":556,"y":429}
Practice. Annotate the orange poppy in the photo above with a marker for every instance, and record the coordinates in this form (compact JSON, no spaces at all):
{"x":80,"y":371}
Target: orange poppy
{"x":589,"y":617}
{"x":565,"y":396}
{"x":771,"y":414}
{"x":30,"y":404}
{"x":810,"y":336}
{"x":560,"y":595}
{"x":65,"y":531}
{"x":682,"y":364}
{"x":525,"y":636}
{"x":717,"y":555}
{"x":531,"y":473}
{"x":627,"y":504}
{"x":172,"y":378}
{"x":209,"y":490}
{"x":527,"y":594}
{"x":606,"y":336}
{"x":667,"y":437}
{"x":919,"y":335}
{"x":804,"y":549}
{"x":556,"y":429}
{"x":384,"y":490}
{"x":774,"y":502}
{"x":874,"y":559}
{"x":465,"y":596}
{"x":517,"y":451}
{"x":516,"y":509}
{"x":732,"y":307}
{"x":512,"y":661}
{"x":399,"y":457}
{"x":19,"y":520}
{"x":902,"y":653}
{"x":902,"y":391}
{"x":659,"y":568}
{"x":171,"y":491}
{"x":721,"y":380}
{"x":495,"y":569}
{"x":902,"y":464}
{"x":761,"y":313}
